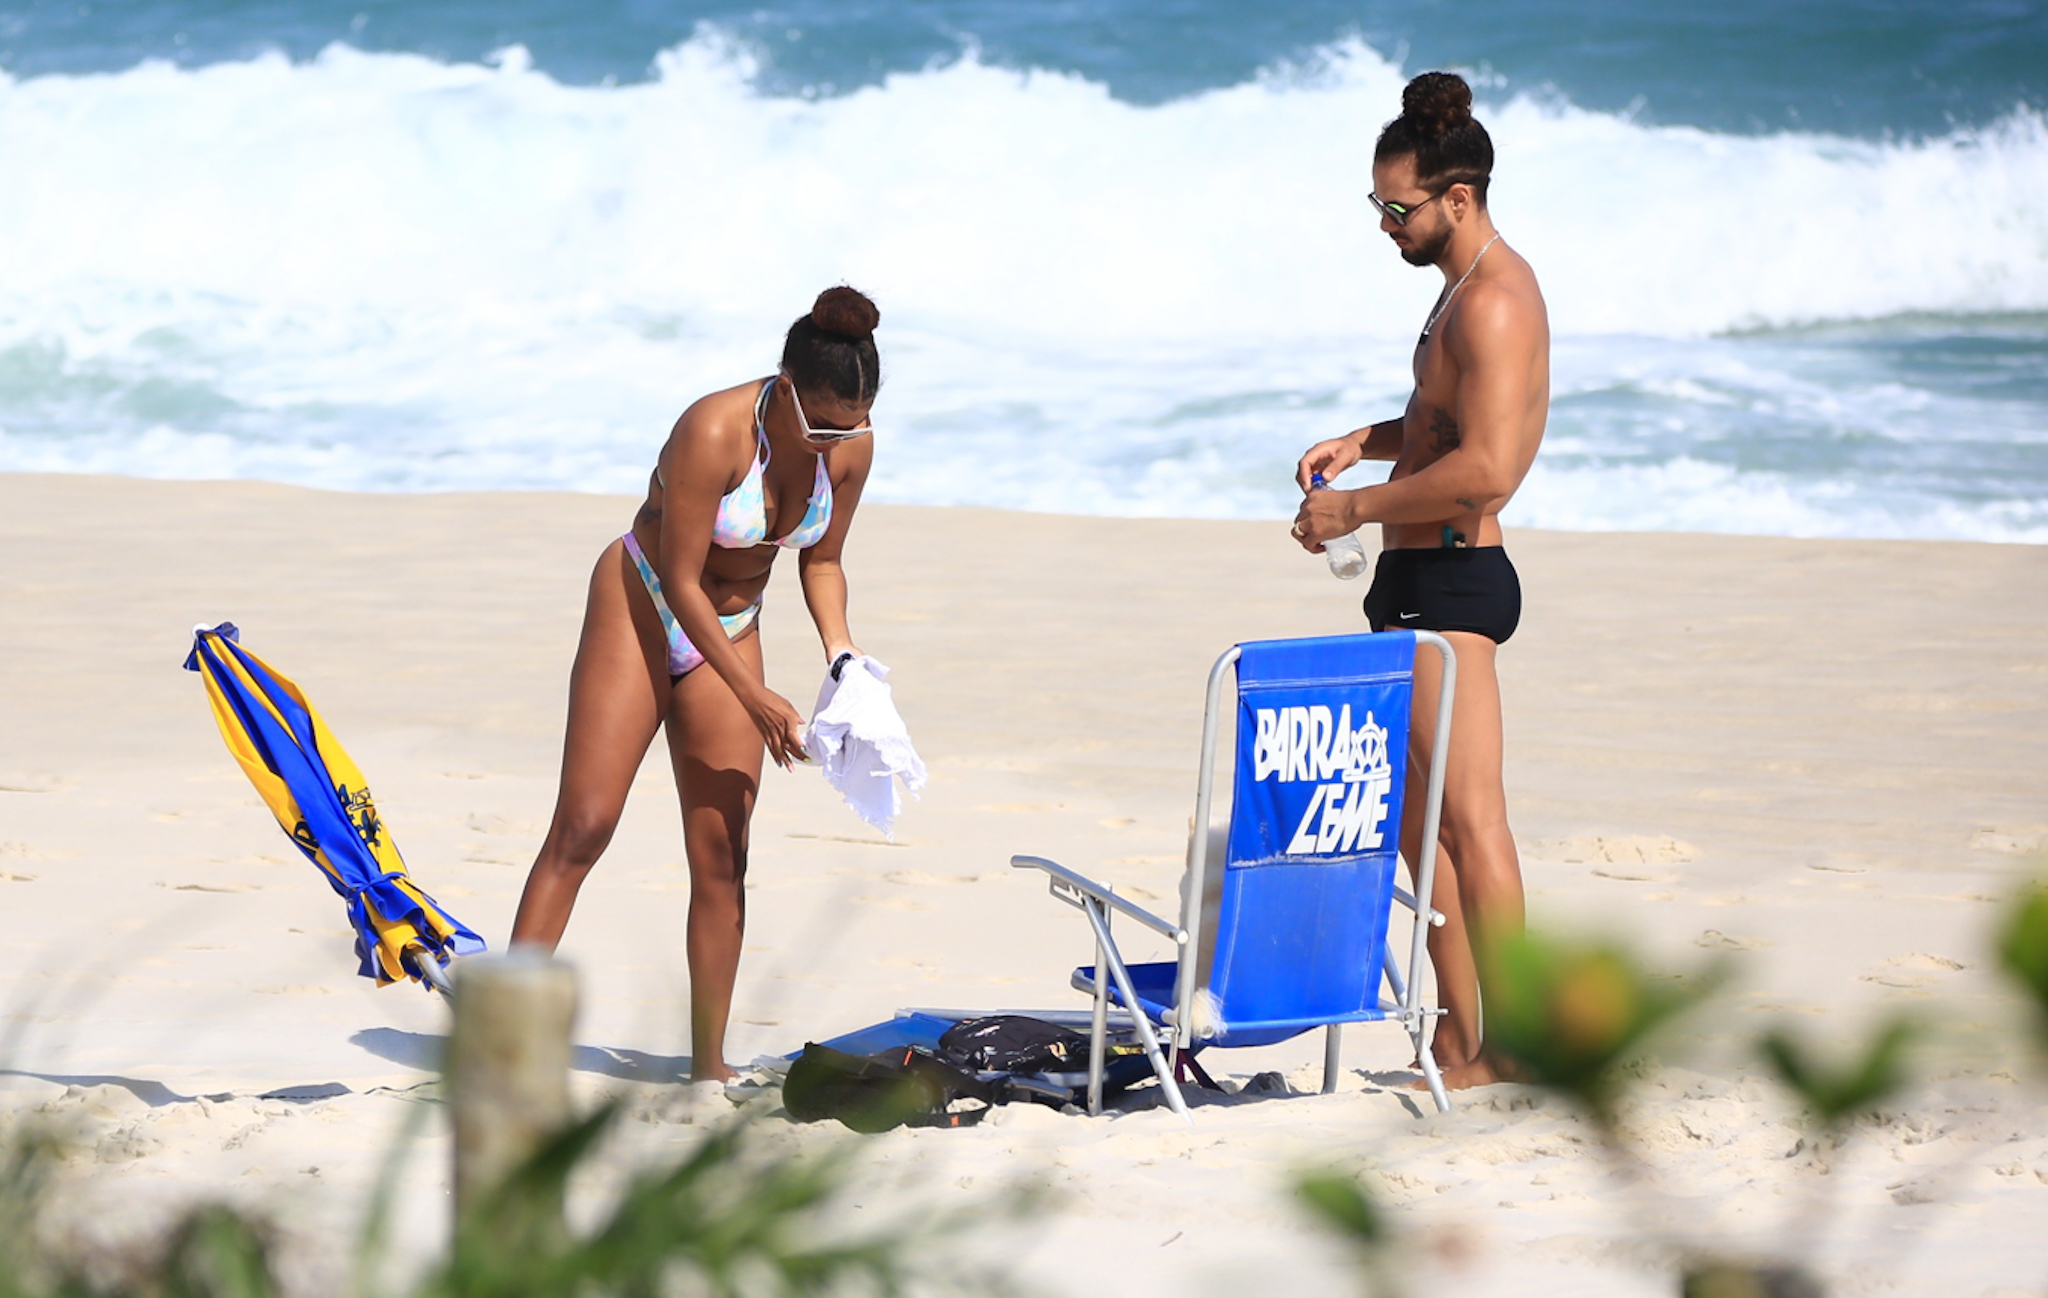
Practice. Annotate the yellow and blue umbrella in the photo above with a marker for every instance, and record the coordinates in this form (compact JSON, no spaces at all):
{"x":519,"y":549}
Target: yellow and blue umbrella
{"x":321,"y":799}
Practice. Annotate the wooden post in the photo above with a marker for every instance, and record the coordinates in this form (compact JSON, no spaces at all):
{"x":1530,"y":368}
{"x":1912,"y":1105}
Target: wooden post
{"x":507,"y":1065}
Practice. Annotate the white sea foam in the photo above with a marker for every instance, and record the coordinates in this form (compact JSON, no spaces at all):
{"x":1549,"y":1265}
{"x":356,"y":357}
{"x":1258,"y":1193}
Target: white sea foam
{"x":385,"y":271}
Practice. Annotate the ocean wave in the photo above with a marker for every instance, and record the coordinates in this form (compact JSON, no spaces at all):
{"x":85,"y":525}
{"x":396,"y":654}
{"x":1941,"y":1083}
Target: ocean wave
{"x":1014,"y":202}
{"x":387,"y":271}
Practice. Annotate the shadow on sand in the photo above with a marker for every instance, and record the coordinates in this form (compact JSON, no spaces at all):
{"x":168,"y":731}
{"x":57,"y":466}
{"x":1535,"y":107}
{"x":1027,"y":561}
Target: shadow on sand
{"x":423,"y":1051}
{"x":156,"y":1094}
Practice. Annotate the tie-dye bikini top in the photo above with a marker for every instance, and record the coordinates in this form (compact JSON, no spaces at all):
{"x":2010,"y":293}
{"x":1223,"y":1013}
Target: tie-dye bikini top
{"x":742,"y":520}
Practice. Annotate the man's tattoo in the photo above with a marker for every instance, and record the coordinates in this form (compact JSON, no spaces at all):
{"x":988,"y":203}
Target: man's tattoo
{"x":1446,"y":430}
{"x":1469,"y":504}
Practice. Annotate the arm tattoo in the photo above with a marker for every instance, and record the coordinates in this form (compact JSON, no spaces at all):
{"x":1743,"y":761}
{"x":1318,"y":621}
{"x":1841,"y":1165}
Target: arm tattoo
{"x":1445,"y":429}
{"x":1469,"y":504}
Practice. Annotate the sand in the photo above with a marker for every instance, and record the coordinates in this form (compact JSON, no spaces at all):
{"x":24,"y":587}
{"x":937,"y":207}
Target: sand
{"x":1822,"y":761}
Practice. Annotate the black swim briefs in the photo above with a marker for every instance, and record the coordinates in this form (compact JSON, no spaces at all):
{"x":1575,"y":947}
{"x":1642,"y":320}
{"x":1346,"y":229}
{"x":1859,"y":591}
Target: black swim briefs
{"x":1473,"y":589}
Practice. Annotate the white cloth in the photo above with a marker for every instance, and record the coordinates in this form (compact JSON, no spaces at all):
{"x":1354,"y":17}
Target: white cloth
{"x":861,"y":744}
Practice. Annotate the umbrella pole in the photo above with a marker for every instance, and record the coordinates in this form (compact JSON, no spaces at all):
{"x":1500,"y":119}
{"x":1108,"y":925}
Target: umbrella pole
{"x":433,"y":973}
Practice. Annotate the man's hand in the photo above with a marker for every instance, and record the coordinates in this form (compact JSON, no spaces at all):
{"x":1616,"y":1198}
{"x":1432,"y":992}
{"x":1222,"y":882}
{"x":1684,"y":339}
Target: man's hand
{"x":1324,"y":514}
{"x":1327,"y":458}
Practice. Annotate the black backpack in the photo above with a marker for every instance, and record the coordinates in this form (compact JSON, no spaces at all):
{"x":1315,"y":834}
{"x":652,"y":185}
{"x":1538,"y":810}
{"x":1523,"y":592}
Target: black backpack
{"x":1013,"y":1043}
{"x":903,"y":1087}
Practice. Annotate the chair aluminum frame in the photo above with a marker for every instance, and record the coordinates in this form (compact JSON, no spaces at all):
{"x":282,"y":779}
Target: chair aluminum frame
{"x":1099,"y":901}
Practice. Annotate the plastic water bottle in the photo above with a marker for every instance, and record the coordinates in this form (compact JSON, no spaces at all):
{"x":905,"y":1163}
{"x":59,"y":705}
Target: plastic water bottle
{"x":1346,"y":555}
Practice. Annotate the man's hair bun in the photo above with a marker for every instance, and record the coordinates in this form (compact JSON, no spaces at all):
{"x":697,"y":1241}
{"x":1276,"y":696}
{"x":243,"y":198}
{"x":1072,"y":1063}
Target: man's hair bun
{"x":1437,"y":129}
{"x":848,"y":313}
{"x":1437,"y":103}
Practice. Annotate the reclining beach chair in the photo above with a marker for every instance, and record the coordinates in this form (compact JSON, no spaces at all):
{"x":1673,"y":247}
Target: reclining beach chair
{"x":1296,"y":936}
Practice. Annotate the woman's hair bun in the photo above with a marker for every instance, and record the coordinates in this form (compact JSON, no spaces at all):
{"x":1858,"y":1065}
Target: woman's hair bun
{"x":831,"y":347}
{"x":1437,"y":102}
{"x":847,"y":312}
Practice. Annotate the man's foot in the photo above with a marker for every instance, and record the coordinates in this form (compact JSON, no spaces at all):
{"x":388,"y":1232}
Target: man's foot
{"x":1443,"y":1065}
{"x":1479,"y":1072}
{"x":1484,"y":1070}
{"x":713,"y":1073}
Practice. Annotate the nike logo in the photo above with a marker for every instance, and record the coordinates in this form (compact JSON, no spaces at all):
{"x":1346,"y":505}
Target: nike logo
{"x":1405,"y":616}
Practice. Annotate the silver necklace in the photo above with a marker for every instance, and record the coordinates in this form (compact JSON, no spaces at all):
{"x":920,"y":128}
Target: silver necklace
{"x":1444,"y":303}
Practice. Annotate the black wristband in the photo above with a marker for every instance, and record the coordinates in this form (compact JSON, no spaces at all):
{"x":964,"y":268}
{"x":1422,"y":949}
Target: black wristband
{"x":839,"y":664}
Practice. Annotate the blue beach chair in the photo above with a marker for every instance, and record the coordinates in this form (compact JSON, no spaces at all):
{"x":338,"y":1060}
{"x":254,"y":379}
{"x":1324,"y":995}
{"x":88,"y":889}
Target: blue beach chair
{"x":1296,"y":937}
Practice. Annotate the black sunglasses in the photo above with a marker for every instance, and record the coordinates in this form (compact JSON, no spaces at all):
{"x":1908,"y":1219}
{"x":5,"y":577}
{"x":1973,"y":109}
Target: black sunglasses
{"x":1399,"y":213}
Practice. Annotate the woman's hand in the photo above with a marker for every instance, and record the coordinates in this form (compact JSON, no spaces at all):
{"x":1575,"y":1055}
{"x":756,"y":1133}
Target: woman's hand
{"x":838,"y":656}
{"x":782,"y":729}
{"x":1327,"y":458}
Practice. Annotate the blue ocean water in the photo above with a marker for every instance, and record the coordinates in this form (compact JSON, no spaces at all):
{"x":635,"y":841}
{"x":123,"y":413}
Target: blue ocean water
{"x":1796,"y":255}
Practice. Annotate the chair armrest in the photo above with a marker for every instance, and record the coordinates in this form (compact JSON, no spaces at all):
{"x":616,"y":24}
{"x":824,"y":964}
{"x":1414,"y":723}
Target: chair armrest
{"x":1071,"y":887}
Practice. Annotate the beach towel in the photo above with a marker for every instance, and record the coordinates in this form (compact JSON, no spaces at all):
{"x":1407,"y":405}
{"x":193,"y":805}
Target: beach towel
{"x":861,"y":744}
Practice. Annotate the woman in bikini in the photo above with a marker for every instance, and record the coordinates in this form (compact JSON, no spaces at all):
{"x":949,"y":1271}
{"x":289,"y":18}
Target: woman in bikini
{"x":669,"y":635}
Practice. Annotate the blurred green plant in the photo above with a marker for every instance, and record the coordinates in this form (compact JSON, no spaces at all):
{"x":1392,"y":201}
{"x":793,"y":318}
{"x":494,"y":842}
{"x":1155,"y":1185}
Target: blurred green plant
{"x":26,"y":1160}
{"x":1721,"y":1279}
{"x":211,"y":1252}
{"x":219,"y":1252}
{"x":1574,"y":1018}
{"x":1835,"y":1096}
{"x":1341,"y":1203}
{"x":725,"y":1220}
{"x":1571,"y":1016}
{"x":2023,"y":949}
{"x":730,"y":1219}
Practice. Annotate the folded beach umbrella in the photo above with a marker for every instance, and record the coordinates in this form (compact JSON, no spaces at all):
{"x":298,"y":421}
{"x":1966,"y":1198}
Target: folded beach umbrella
{"x":322,"y":801}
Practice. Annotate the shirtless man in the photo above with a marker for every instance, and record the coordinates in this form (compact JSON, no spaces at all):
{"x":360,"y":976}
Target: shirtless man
{"x":1482,"y":391}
